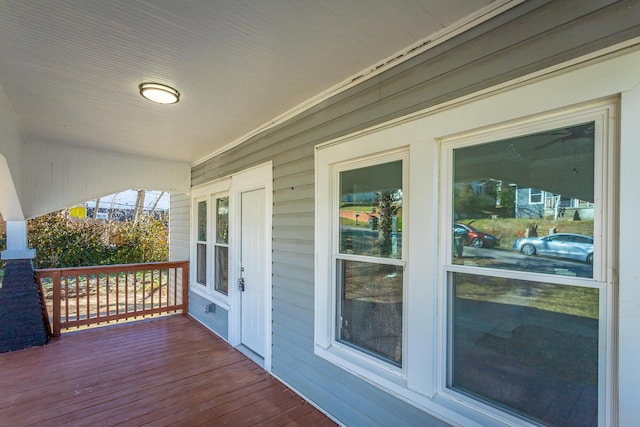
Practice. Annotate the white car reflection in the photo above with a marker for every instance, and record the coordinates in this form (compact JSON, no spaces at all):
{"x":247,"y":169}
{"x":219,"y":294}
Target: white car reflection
{"x":562,"y":245}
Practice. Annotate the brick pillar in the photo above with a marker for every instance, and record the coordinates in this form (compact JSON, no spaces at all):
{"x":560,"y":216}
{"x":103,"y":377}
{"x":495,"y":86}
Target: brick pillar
{"x":21,"y":319}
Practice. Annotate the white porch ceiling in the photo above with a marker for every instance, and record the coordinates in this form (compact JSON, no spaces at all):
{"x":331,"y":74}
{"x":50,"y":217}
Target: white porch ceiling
{"x":70,"y":69}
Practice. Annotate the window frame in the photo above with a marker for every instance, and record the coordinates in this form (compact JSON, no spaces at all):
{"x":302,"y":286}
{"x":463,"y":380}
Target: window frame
{"x":330,"y":161}
{"x":215,"y":244}
{"x":538,"y":193}
{"x":603,"y":279}
{"x":337,"y":255}
{"x":198,"y":242}
{"x":210,"y":193}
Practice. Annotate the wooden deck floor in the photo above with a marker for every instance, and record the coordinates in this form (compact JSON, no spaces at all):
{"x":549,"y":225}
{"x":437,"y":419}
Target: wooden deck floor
{"x":159,"y":372}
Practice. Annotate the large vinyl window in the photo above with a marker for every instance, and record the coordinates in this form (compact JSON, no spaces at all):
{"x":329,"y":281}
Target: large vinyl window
{"x":528,"y":309}
{"x":368,"y":258}
{"x":363,"y":286}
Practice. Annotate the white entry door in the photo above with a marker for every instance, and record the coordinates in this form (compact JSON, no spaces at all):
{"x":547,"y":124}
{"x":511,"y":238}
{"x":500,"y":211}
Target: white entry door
{"x":253,"y":272}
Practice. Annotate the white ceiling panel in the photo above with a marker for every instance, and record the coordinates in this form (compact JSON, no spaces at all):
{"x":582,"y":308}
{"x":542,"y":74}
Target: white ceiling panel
{"x":70,"y":69}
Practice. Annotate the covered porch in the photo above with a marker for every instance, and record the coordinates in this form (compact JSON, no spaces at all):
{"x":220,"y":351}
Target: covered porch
{"x":161,"y":371}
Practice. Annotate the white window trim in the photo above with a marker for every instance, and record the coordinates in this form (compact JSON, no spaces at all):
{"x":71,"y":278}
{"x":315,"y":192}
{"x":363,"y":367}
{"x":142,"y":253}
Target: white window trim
{"x":209,"y":193}
{"x":548,"y":90}
{"x":416,"y":356}
{"x":329,"y":164}
{"x":194,"y":270}
{"x":376,"y":159}
{"x":605,"y":152}
{"x":531,"y":194}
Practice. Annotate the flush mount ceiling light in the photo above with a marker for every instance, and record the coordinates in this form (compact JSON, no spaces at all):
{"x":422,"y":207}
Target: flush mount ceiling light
{"x":162,"y":94}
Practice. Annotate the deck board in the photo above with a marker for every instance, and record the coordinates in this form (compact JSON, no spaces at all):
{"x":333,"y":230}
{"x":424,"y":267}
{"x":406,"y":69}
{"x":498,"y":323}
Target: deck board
{"x":157,"y":372}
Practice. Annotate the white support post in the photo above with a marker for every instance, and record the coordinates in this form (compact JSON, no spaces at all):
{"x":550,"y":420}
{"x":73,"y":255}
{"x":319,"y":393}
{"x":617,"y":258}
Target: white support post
{"x":17,"y":246}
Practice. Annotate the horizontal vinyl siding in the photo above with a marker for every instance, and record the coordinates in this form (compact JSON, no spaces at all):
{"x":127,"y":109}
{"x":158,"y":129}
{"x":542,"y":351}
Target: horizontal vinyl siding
{"x":217,"y":322}
{"x":179,"y":212}
{"x":292,"y":219}
{"x":362,"y":404}
{"x":290,"y":259}
{"x":293,"y":246}
{"x":529,"y":37}
{"x":303,"y":323}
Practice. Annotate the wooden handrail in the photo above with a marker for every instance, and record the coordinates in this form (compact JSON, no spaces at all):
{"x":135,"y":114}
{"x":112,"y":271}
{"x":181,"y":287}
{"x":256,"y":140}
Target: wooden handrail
{"x":84,"y":296}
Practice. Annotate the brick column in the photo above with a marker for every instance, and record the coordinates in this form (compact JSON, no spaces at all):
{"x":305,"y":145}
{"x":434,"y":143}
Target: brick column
{"x":21,"y":319}
{"x":21,"y":312}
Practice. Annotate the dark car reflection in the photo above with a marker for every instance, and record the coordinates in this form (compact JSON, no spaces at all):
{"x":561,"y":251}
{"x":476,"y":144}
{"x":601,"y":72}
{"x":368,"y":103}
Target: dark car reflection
{"x":562,"y":245}
{"x":475,"y":237}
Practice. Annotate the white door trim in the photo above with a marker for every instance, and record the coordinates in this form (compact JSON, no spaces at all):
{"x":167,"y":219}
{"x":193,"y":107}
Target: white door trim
{"x":259,"y":177}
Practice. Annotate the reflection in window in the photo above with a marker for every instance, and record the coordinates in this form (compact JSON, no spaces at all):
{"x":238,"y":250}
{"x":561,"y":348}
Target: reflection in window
{"x":222,"y":220}
{"x":222,"y":269}
{"x":528,"y":346}
{"x":202,"y":221}
{"x":371,"y":210}
{"x":519,"y":191}
{"x":370,"y":288}
{"x":201,"y":263}
{"x":221,"y":279}
{"x":535,"y":196}
{"x":371,"y":308}
{"x":201,"y":245}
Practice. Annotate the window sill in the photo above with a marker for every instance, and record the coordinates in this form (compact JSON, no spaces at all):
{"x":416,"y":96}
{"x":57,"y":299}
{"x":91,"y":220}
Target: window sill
{"x":364,"y":366}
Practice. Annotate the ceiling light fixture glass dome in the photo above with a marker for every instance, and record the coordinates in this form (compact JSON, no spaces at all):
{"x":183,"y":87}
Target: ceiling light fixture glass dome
{"x":162,"y":94}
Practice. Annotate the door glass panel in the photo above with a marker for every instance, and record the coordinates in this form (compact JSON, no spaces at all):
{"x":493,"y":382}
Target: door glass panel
{"x":510,"y":198}
{"x":371,"y":211}
{"x":530,"y":347}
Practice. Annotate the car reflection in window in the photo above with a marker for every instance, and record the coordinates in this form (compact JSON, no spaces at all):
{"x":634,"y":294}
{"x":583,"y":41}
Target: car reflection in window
{"x":562,"y":245}
{"x":475,"y":237}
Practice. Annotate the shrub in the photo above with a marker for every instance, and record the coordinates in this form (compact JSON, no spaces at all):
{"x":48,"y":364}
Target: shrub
{"x":142,"y":241}
{"x":61,"y":241}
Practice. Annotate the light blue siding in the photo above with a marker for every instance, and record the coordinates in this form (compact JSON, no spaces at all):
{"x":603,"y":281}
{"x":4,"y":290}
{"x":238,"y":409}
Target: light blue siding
{"x":217,"y":321}
{"x":179,"y":227}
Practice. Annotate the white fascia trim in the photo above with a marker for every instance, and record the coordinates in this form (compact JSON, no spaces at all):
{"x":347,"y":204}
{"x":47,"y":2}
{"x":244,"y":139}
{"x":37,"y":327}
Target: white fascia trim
{"x":482,"y":15}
